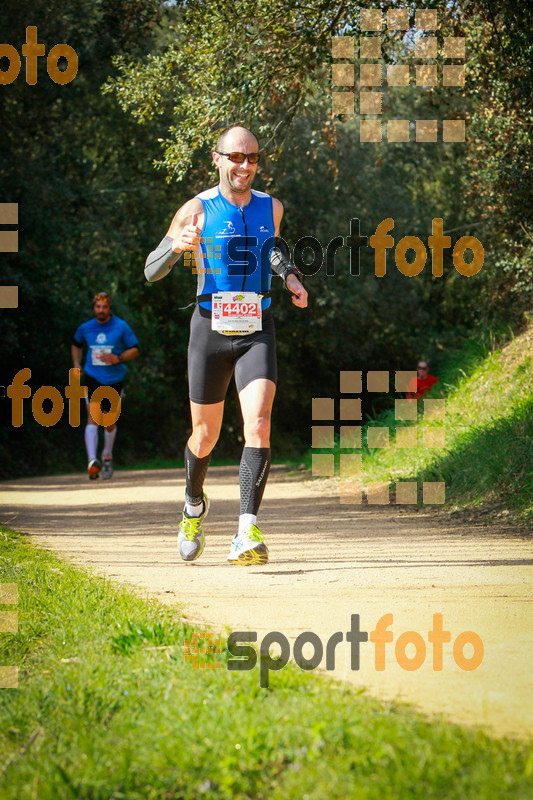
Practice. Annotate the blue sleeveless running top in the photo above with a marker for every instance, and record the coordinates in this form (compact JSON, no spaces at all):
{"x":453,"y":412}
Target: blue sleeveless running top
{"x":235,"y":245}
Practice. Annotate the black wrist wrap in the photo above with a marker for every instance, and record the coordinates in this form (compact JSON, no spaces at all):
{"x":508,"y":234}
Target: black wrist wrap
{"x":280,"y":260}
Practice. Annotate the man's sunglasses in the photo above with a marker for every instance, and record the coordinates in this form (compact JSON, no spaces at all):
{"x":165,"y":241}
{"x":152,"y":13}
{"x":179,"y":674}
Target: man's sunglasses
{"x":101,"y":297}
{"x":239,"y":158}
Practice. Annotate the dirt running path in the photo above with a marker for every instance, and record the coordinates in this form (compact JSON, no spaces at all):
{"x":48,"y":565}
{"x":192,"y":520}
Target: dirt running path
{"x":327,"y":562}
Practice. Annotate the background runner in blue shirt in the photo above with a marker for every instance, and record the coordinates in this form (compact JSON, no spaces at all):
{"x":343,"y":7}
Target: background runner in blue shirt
{"x":110,"y":342}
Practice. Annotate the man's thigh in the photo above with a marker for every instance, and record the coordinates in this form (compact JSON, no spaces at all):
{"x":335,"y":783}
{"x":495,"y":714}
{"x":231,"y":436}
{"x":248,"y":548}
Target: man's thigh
{"x":258,"y":358}
{"x":257,"y":399}
{"x":207,"y":418}
{"x":210,"y":362}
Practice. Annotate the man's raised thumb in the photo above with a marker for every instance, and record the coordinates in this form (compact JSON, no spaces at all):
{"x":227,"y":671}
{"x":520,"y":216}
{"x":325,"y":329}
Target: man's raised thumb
{"x":194,"y":219}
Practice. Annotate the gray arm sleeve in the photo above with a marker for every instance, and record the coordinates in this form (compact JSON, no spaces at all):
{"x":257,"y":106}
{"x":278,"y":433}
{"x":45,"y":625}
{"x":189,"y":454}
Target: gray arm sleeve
{"x":160,"y":261}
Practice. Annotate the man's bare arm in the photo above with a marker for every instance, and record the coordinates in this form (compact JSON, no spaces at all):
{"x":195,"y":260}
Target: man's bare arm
{"x":277,"y":213}
{"x":126,"y":355}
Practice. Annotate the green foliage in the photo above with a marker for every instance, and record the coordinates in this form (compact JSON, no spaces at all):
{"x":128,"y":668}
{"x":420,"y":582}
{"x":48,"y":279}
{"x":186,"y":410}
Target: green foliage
{"x":92,"y":720}
{"x":500,"y":73}
{"x":92,"y":207}
{"x":137,"y":634}
{"x":248,"y":60}
{"x":488,"y":460}
{"x":89,"y":204}
{"x":497,"y":173}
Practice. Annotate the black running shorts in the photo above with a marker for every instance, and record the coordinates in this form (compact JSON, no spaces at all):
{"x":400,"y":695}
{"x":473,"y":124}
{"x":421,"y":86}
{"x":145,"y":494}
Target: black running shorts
{"x":213,"y":356}
{"x":92,"y":384}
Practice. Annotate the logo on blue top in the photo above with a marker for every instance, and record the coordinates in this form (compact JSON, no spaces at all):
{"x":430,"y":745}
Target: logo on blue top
{"x":229,"y":230}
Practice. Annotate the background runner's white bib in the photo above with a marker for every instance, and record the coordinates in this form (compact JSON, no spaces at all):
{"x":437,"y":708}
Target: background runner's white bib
{"x":97,"y":352}
{"x":236,"y":312}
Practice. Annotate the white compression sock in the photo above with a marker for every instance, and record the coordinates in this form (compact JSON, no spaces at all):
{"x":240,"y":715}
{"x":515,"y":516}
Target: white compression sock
{"x":91,"y":441}
{"x":194,"y":511}
{"x":245,"y":520}
{"x":109,"y":440}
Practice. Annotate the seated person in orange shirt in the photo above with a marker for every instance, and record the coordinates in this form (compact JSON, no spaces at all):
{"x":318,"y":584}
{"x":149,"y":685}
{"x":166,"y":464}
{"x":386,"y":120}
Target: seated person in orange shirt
{"x":424,"y":381}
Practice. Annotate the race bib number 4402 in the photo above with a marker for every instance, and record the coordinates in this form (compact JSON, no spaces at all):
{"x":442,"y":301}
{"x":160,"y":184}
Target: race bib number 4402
{"x":239,"y":309}
{"x":236,"y":313}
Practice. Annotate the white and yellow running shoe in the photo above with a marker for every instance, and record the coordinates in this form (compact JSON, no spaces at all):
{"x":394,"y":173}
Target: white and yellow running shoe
{"x":248,"y":548}
{"x":191,"y":534}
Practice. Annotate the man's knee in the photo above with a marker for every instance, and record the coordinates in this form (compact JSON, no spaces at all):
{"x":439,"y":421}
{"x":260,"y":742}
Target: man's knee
{"x":258,"y":427}
{"x":203,"y":439}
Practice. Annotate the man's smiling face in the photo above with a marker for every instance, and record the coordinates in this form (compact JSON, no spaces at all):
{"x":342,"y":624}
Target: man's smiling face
{"x":237,"y":177}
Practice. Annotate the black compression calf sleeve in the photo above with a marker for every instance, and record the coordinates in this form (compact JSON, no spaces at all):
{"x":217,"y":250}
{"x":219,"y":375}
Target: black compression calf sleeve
{"x":195,"y":472}
{"x":253,"y":475}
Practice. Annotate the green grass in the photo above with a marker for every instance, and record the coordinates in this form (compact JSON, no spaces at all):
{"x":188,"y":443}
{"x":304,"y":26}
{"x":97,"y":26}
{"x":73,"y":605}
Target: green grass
{"x":101,"y":714}
{"x":487,"y":461}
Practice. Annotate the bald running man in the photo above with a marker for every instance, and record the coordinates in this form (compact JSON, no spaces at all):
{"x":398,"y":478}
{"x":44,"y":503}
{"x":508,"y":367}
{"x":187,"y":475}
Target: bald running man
{"x":231,"y":230}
